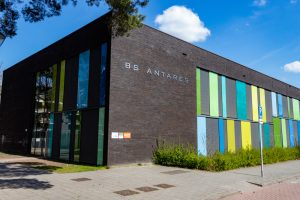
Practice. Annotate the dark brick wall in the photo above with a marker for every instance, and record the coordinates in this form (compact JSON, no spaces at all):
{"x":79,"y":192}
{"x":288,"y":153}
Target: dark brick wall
{"x":154,"y":108}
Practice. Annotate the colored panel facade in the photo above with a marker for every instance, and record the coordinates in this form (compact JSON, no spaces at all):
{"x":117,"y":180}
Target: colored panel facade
{"x":241,"y":100}
{"x":198,"y":92}
{"x":262,"y":103}
{"x":296,"y":109}
{"x":201,"y":136}
{"x":83,"y":79}
{"x":254,"y":103}
{"x":255,"y":135}
{"x":277,"y":132}
{"x":266,"y":135}
{"x":212,"y":135}
{"x":231,"y":135}
{"x":224,"y":92}
{"x":213,"y":95}
{"x":291,"y":133}
{"x":274,"y":104}
{"x":284,"y":132}
{"x":204,"y":93}
{"x":280,"y":108}
{"x":231,"y":98}
{"x":246,"y":135}
{"x":221,"y":136}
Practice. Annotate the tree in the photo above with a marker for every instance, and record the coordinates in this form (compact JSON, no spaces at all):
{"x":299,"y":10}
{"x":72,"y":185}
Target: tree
{"x":125,"y":15}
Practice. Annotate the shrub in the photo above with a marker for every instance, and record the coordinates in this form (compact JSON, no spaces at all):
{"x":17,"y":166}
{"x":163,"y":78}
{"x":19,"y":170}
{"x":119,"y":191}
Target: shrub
{"x":187,"y":157}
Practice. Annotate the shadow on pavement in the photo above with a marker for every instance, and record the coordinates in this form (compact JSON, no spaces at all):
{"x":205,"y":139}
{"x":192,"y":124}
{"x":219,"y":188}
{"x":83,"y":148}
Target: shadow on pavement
{"x":16,"y":169}
{"x":22,"y":183}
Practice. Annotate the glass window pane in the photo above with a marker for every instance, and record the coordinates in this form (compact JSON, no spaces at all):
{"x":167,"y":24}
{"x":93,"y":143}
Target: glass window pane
{"x":61,"y":85}
{"x":83,"y":79}
{"x":77,"y":137}
{"x":65,"y":136}
{"x":103,"y":73}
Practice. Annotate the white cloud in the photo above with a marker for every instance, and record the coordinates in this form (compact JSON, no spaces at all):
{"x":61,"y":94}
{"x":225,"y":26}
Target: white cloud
{"x":183,"y":23}
{"x":293,"y":2}
{"x":260,"y":3}
{"x":292,"y":67}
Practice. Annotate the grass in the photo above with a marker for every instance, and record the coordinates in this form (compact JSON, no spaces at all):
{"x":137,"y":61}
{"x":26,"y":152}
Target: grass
{"x":69,"y":168}
{"x":187,"y":157}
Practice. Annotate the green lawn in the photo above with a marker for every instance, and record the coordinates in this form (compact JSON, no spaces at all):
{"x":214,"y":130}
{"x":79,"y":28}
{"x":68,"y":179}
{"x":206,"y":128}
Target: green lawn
{"x":70,"y":168}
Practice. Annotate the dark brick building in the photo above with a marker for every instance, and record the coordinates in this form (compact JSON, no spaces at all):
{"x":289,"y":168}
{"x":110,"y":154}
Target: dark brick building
{"x":95,"y":99}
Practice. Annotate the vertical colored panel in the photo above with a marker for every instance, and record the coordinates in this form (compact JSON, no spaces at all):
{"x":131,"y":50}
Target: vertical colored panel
{"x":224,"y":97}
{"x":103,"y":74}
{"x":298,"y":128}
{"x":77,"y":137}
{"x":231,"y":135}
{"x":289,"y":107}
{"x":283,"y":130}
{"x":83,"y":79}
{"x":241,"y":100}
{"x":249,"y":103}
{"x":238,"y":134}
{"x":100,"y":136}
{"x":295,"y":128}
{"x":296,"y":109}
{"x":280,"y":109}
{"x":277,"y":132}
{"x":204,"y":83}
{"x":255,"y":135}
{"x":50,"y":135}
{"x":65,"y":136}
{"x":274,"y":105}
{"x":231,"y":98}
{"x":263,"y":103}
{"x":221,"y":136}
{"x":266,"y":135}
{"x":212,"y":135}
{"x":198,"y":92}
{"x":201,"y":135}
{"x":292,"y":138}
{"x":285,"y":106}
{"x":53,"y":95}
{"x":213,"y":95}
{"x":246,"y":135}
{"x":254,"y":103}
{"x":61,"y":85}
{"x":268,"y":105}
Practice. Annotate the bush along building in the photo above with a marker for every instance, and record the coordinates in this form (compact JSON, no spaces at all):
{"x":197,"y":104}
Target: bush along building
{"x":94,"y":99}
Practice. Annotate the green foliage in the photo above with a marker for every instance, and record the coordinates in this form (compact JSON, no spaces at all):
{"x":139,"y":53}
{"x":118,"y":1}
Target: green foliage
{"x":186,"y":157}
{"x":125,"y":15}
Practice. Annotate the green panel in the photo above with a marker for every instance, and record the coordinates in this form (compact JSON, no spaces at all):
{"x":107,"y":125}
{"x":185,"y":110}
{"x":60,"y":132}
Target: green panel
{"x":77,"y":137}
{"x":296,"y":109}
{"x":198,"y":91}
{"x":241,"y":100}
{"x":61,"y":85}
{"x":54,"y":75}
{"x":100,"y":136}
{"x":277,"y":132}
{"x":213,"y":94}
{"x":283,"y":128}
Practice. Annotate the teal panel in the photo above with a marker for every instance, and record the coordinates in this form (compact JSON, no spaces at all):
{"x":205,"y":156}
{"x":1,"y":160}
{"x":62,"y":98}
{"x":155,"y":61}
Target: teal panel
{"x":241,"y":100}
{"x":266,"y":135}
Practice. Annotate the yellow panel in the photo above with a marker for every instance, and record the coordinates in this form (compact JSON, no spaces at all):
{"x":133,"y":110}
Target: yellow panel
{"x":263,"y":103}
{"x":254,"y":103}
{"x":231,"y":135}
{"x":246,"y":135}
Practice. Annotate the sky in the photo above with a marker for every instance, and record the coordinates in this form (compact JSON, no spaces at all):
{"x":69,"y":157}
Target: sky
{"x":261,"y":34}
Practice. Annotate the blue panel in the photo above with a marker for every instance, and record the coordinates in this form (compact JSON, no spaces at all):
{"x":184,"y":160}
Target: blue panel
{"x":201,"y":135}
{"x":224,"y":107}
{"x":280,"y":110}
{"x":274,"y":105}
{"x":83,"y":79}
{"x":291,"y":127}
{"x":103,"y":73}
{"x":221,"y":136}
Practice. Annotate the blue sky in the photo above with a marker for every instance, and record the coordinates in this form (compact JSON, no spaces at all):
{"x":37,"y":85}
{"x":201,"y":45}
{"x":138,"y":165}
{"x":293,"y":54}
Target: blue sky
{"x":261,"y":34}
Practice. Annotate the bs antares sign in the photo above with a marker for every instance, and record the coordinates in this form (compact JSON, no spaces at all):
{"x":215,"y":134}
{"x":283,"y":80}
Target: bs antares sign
{"x":156,"y":72}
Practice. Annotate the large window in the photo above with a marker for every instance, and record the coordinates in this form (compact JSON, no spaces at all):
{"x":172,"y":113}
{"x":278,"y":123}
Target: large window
{"x":77,"y":137}
{"x":83,"y":79}
{"x":65,"y":136}
{"x":43,"y":104}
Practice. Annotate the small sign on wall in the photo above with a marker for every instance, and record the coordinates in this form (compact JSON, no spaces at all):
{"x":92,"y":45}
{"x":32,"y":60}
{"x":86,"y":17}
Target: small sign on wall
{"x":120,"y":135}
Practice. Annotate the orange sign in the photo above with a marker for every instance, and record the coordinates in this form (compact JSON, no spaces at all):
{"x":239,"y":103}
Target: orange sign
{"x":127,"y":135}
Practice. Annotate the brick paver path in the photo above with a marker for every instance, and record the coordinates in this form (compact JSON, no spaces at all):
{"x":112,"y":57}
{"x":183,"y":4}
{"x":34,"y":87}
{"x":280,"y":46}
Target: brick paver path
{"x":19,"y":181}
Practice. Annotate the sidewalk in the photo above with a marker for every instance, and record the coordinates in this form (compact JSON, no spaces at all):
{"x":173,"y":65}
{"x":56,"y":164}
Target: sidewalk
{"x":142,"y":182}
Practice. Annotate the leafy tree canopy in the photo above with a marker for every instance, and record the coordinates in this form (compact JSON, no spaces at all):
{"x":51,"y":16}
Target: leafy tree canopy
{"x":125,"y":15}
